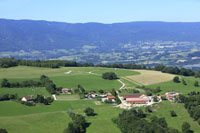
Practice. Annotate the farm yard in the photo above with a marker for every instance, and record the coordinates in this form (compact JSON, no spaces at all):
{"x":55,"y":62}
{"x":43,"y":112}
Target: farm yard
{"x":53,"y":118}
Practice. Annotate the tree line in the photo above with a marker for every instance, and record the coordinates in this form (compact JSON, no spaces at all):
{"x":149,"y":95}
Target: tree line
{"x":79,"y":123}
{"x":11,"y":62}
{"x":28,"y":83}
{"x":192,"y":104}
{"x":44,"y":82}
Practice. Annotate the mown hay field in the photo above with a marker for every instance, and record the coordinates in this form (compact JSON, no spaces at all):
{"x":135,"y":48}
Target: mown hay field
{"x":148,"y":77}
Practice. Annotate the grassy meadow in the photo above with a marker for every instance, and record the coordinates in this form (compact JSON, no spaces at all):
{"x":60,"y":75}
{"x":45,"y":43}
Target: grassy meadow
{"x":178,"y":87}
{"x":54,"y":118}
{"x":163,"y":110}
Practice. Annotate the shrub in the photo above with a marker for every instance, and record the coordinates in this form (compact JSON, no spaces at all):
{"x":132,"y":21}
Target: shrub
{"x":155,"y":99}
{"x":176,"y":79}
{"x":109,"y":76}
{"x":183,"y":81}
{"x":89,"y":111}
{"x":148,"y":109}
{"x":173,"y":113}
{"x":196,"y":84}
{"x":3,"y":130}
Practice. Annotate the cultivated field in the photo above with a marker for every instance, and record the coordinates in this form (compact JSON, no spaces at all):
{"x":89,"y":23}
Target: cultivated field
{"x":148,"y":77}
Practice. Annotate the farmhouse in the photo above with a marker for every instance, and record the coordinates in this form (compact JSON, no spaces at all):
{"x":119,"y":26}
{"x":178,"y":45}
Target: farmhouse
{"x":136,"y":99}
{"x":66,"y":90}
{"x":27,"y":99}
{"x":91,"y":95}
{"x":171,"y":96}
{"x":111,"y":98}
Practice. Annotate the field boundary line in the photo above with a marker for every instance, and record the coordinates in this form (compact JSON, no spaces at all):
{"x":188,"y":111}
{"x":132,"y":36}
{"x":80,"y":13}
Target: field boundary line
{"x":132,"y":81}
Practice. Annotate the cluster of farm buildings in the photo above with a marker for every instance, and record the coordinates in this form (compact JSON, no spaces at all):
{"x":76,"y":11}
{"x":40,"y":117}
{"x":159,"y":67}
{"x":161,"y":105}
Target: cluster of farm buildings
{"x":128,"y":100}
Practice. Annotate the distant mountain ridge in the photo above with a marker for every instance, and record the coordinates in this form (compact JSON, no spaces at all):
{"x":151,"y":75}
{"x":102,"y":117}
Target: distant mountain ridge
{"x":43,"y":35}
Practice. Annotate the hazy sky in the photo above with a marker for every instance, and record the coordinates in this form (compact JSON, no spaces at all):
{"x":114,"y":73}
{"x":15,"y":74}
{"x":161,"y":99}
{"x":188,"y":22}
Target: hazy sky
{"x":105,"y":11}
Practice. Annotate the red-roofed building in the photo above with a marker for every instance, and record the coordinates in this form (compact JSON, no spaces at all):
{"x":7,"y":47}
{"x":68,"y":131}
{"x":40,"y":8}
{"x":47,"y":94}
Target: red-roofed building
{"x":136,"y":99}
{"x":131,"y":96}
{"x":171,"y":96}
{"x":111,"y":98}
{"x":27,"y":99}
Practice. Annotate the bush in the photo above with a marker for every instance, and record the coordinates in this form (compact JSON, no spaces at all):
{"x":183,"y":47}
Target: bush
{"x":148,"y":109}
{"x":101,"y":91}
{"x":108,"y":101}
{"x":198,"y":121}
{"x":186,"y":128}
{"x":155,"y":99}
{"x":173,"y":113}
{"x":89,"y":111}
{"x":183,"y":81}
{"x":163,"y":98}
{"x":3,"y":130}
{"x":196,"y":84}
{"x":82,"y":95}
{"x":109,"y":76}
{"x":176,"y":79}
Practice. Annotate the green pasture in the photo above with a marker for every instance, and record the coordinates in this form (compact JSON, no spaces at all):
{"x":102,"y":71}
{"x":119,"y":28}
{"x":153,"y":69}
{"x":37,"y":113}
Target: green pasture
{"x":163,"y":110}
{"x":179,"y":87}
{"x":16,"y":117}
{"x":89,"y":82}
{"x":67,"y":97}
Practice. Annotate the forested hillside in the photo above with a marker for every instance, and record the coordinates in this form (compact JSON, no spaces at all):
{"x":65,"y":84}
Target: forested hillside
{"x":43,"y":35}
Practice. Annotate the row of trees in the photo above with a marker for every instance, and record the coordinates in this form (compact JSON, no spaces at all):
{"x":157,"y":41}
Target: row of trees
{"x":125,"y":66}
{"x":133,"y":121}
{"x":48,"y":84}
{"x":42,"y":99}
{"x":6,"y":97}
{"x":174,"y":70}
{"x":11,"y":62}
{"x":44,"y":82}
{"x":28,"y":83}
{"x":114,"y":93}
